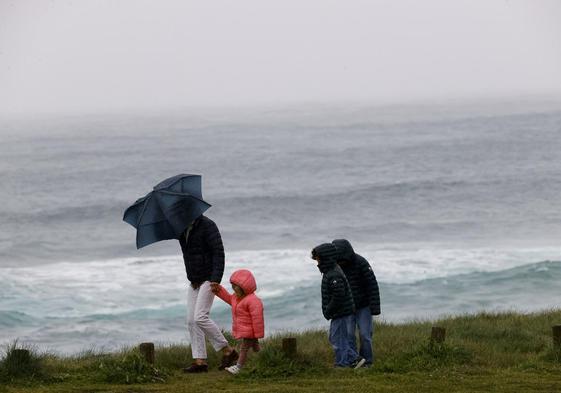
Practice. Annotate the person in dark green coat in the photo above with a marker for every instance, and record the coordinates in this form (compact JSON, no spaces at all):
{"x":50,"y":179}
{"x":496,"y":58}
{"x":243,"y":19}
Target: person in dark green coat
{"x":366,"y":295}
{"x":337,"y":306}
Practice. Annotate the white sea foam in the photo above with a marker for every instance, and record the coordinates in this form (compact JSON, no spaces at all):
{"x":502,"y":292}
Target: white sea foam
{"x":125,"y":285}
{"x":71,"y":306}
{"x":405,"y":264}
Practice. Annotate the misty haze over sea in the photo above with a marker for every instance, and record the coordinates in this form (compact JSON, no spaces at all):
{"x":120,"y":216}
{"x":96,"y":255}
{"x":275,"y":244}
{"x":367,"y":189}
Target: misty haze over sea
{"x":457,"y":207}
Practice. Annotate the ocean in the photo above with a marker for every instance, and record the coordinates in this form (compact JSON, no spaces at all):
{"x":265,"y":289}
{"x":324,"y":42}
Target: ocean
{"x":457,"y":208}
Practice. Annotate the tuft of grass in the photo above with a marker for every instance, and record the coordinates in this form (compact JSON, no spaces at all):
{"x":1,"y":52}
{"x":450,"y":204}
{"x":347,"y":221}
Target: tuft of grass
{"x":553,"y":355}
{"x":173,"y":357}
{"x":271,"y":362}
{"x":21,"y":363}
{"x":127,"y":368}
{"x":428,"y":356}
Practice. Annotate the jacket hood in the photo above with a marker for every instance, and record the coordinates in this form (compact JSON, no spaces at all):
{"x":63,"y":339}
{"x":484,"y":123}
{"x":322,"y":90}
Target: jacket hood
{"x":345,"y":251}
{"x":245,"y":280}
{"x":327,"y":255}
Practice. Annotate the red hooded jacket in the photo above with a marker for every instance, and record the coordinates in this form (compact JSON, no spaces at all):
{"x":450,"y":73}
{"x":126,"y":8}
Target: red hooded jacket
{"x":247,"y":312}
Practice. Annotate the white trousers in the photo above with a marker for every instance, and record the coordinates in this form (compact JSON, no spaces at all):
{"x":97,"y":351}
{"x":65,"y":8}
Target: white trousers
{"x":199,"y":324}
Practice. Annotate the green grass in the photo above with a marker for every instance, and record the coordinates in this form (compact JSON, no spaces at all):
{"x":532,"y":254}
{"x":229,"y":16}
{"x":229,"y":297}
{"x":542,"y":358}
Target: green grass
{"x":505,"y":352}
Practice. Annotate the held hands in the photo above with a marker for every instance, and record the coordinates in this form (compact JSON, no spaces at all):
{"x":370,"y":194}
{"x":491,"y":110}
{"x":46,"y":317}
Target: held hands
{"x":215,"y":287}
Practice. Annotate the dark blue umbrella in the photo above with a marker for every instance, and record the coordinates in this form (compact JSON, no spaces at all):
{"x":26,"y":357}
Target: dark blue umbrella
{"x":166,"y":211}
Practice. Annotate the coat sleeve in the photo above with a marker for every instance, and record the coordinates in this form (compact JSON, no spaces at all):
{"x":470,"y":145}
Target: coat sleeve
{"x":336,"y":293}
{"x":214,"y":242}
{"x":372,"y":288}
{"x":224,"y":295}
{"x":257,"y":318}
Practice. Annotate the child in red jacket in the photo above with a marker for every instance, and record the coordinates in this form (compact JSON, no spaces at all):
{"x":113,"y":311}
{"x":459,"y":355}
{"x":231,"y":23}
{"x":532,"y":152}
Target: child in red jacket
{"x":247,"y":314}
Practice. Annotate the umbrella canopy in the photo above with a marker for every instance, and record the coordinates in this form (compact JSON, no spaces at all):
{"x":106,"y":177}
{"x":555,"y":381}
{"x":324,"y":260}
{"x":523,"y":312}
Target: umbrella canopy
{"x":166,"y":211}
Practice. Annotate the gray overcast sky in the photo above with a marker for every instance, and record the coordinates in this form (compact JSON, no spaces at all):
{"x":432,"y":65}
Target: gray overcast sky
{"x":77,"y":55}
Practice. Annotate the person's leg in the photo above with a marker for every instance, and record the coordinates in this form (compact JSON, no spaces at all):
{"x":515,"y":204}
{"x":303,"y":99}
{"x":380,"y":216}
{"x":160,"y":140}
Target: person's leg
{"x":198,"y":346}
{"x":256,"y":347}
{"x":210,"y":329}
{"x":339,"y":341}
{"x":202,"y":319}
{"x":365,"y":329}
{"x":245,"y":344}
{"x":350,"y":327}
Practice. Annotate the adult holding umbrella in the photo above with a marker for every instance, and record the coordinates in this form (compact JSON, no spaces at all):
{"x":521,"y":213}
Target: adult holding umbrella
{"x":203,"y":254}
{"x":174,"y":210}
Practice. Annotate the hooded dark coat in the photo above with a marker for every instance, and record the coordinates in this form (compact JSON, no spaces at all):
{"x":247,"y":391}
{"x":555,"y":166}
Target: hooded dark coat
{"x":336,"y":296}
{"x":362,"y":279}
{"x":203,"y":252}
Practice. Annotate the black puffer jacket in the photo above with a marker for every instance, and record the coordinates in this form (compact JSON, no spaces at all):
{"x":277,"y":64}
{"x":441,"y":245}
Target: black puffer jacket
{"x":336,"y":296}
{"x":203,"y":253}
{"x":360,"y":276}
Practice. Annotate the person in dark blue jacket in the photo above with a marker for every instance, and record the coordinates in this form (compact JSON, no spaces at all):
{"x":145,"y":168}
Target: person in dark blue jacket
{"x":337,"y":306}
{"x":366,"y":295}
{"x":203,"y":254}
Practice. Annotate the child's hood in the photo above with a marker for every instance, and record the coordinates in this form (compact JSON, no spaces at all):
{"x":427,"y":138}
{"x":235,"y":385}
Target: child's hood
{"x":244,"y":279}
{"x":327,"y":254}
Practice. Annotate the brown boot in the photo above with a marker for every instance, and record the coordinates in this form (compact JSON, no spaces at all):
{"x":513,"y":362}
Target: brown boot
{"x":229,"y":360}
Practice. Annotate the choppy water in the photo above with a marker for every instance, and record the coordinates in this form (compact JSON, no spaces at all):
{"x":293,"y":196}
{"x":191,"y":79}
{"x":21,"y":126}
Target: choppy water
{"x":457,"y":214}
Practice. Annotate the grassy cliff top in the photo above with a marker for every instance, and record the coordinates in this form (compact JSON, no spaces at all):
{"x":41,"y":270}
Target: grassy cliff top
{"x":504,"y":352}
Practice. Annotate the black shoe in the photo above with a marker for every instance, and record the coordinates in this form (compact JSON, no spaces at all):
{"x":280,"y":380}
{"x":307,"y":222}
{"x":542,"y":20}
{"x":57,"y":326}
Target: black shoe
{"x":358,"y":363}
{"x":196,"y":368}
{"x":229,"y":360}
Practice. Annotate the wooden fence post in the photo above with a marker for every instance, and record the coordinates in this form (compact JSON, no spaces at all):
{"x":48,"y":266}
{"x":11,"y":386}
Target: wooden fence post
{"x":289,"y":347}
{"x":438,"y":334}
{"x":556,"y":330}
{"x":147,"y":351}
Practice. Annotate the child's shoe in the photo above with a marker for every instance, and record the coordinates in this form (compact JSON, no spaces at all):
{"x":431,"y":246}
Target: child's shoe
{"x":234,"y":370}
